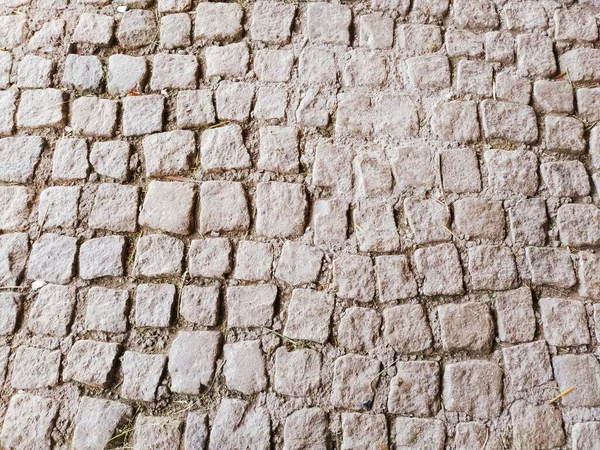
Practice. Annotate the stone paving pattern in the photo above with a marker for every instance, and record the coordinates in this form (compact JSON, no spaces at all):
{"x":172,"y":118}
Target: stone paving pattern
{"x":277,"y":225}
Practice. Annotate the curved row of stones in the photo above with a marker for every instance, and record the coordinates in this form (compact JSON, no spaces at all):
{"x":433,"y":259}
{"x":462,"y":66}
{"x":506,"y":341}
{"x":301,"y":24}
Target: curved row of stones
{"x":278,"y":225}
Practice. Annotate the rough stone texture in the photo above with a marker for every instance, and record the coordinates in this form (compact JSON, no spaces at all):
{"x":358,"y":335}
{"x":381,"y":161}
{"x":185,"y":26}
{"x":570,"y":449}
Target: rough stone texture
{"x":238,"y":424}
{"x":28,"y":422}
{"x":244,"y":368}
{"x":353,"y":386}
{"x":582,"y":371}
{"x":96,"y":422}
{"x":538,"y":426}
{"x":290,"y":225}
{"x":305,"y":428}
{"x":565,"y":322}
{"x":192,"y":360}
{"x":308,"y":315}
{"x":466,"y":326}
{"x":141,"y":374}
{"x":528,"y":365}
{"x":52,"y":311}
{"x":90,"y":362}
{"x":406,"y":329}
{"x":415,"y":389}
{"x":473,"y":387}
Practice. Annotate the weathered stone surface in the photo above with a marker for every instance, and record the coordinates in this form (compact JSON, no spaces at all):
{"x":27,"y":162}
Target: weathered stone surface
{"x":97,"y":421}
{"x":527,"y":365}
{"x":406,"y":329}
{"x":581,"y":64}
{"x":473,"y":387}
{"x":156,"y":433}
{"x":154,"y":304}
{"x":52,"y":312}
{"x":115,"y":208}
{"x":210,"y":257}
{"x":168,"y":153}
{"x":21,"y":156}
{"x":158,"y":255}
{"x":354,"y":277}
{"x":309,"y":314}
{"x":192,"y":360}
{"x":28,"y":422}
{"x":578,"y":225}
{"x":239,"y":424}
{"x":515,"y":319}
{"x":492,"y":268}
{"x":288,"y":380}
{"x":359,"y":329}
{"x":394,"y":278}
{"x":168,"y":207}
{"x":250,"y":306}
{"x":540,"y":426}
{"x":254,"y":261}
{"x":101,"y":257}
{"x":512,"y":171}
{"x":106,"y":309}
{"x":290,"y":203}
{"x":245,"y":368}
{"x":415,"y":389}
{"x":90,"y":362}
{"x":441,"y":268}
{"x":364,"y":430}
{"x":582,"y":371}
{"x":141,"y":375}
{"x":35,"y":368}
{"x":509,"y":121}
{"x":200,"y":304}
{"x":549,"y":266}
{"x":299,"y":263}
{"x":414,"y":433}
{"x":565,"y":322}
{"x":466,"y":326}
{"x":528,"y":220}
{"x":353,"y":382}
{"x":10,"y":305}
{"x":305,"y":428}
{"x":584,"y":435}
{"x":52,"y":258}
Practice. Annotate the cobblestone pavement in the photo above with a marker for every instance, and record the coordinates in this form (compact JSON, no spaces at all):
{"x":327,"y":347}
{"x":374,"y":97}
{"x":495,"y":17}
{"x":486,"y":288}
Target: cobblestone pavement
{"x":277,"y":225}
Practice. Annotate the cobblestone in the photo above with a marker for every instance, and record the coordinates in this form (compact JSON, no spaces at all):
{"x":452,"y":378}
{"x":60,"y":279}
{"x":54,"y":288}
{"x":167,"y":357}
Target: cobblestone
{"x":291,"y":225}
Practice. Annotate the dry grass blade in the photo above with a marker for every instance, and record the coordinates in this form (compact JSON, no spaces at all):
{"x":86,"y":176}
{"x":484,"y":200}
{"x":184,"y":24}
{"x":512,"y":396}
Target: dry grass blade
{"x":294,"y":342}
{"x":220,"y":124}
{"x":562,"y":394}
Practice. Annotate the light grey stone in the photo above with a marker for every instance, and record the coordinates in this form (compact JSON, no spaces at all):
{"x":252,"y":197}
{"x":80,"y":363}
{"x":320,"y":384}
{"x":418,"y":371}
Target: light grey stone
{"x":210,"y":257}
{"x":97,"y":421}
{"x":251,"y":306}
{"x":245,"y":368}
{"x":52,"y":258}
{"x":309,"y":315}
{"x":28,"y":422}
{"x":52,"y":312}
{"x":154,"y":305}
{"x":239,"y":424}
{"x":141,"y":375}
{"x":115,"y":208}
{"x":168,"y":207}
{"x":102,"y":257}
{"x":192,"y":360}
{"x":106,"y":310}
{"x":158,"y":255}
{"x":473,"y":387}
{"x":35,"y":368}
{"x":90,"y":362}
